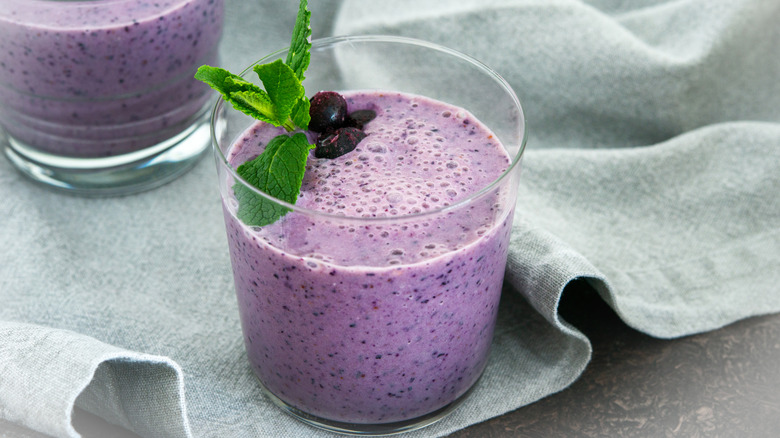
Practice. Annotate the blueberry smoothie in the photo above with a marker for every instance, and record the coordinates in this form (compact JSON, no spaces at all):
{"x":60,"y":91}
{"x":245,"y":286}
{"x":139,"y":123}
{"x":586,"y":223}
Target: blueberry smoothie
{"x":382,"y":308}
{"x":103,"y":77}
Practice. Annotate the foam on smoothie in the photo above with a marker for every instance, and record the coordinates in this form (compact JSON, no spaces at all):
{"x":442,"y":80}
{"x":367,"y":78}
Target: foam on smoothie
{"x":420,"y":155}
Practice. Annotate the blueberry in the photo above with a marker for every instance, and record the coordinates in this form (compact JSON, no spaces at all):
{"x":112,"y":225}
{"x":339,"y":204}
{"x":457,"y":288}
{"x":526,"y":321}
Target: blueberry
{"x":339,"y":142}
{"x":359,"y":118}
{"x":328,"y":110}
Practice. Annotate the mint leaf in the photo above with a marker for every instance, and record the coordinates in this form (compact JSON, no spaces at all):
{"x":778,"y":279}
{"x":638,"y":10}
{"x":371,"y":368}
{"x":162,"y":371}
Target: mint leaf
{"x":245,"y":96}
{"x":298,"y":56}
{"x":300,"y":113}
{"x":278,"y":171}
{"x":283,"y":88}
{"x":217,"y":78}
{"x":257,"y":105}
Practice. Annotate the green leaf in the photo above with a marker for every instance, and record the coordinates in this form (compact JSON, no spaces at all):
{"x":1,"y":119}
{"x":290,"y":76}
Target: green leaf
{"x":245,"y":96}
{"x":214,"y":76}
{"x":300,"y":113}
{"x":224,"y":81}
{"x":256,"y":105}
{"x":278,"y":172}
{"x":282,"y":86}
{"x":298,"y":57}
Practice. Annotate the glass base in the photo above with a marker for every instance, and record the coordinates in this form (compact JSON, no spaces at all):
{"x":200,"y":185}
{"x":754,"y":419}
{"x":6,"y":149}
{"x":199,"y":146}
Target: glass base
{"x":361,"y":429}
{"x":118,"y":175}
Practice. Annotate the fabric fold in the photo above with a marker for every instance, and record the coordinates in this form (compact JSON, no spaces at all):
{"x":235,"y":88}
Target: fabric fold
{"x":39,"y":391}
{"x":692,"y":241}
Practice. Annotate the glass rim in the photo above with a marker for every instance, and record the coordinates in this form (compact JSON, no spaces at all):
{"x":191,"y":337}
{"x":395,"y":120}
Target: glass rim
{"x":327,"y":41}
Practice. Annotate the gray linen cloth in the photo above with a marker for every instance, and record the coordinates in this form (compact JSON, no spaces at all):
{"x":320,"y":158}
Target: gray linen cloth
{"x":652,"y":171}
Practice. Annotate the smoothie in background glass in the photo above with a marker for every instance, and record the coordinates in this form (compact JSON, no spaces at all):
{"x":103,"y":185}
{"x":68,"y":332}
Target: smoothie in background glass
{"x":370,"y":307}
{"x":94,"y":87}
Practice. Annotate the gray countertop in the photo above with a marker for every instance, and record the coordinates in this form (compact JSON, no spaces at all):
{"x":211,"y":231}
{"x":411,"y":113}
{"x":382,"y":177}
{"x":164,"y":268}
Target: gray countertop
{"x":724,"y":383}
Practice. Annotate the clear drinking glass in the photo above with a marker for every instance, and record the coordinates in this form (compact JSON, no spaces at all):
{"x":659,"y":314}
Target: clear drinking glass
{"x":393,"y":339}
{"x":97,"y":97}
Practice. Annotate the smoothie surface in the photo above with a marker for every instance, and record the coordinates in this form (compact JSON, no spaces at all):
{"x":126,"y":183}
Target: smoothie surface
{"x":420,"y":155}
{"x":91,"y":14}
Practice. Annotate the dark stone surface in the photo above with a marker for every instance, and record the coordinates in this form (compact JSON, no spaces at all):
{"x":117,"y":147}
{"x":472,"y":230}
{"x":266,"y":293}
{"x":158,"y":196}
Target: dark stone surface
{"x":724,"y":383}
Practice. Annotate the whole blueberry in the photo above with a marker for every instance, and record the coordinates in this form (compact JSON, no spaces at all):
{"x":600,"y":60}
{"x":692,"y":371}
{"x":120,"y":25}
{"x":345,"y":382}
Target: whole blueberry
{"x":328,"y":110}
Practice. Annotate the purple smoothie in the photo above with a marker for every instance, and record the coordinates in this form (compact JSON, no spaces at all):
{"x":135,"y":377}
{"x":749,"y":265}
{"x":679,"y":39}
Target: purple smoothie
{"x":106,"y":77}
{"x":384,"y":319}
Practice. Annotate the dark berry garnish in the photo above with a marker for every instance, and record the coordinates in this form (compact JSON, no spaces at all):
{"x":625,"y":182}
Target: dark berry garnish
{"x":359,"y":118}
{"x":339,"y":142}
{"x":328,"y":111}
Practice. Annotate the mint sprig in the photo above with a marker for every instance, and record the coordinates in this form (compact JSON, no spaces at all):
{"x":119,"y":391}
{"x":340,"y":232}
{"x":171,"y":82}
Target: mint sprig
{"x":278,"y":170}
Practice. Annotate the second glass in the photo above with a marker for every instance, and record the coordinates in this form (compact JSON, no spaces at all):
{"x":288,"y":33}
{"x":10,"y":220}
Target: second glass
{"x":98,"y":97}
